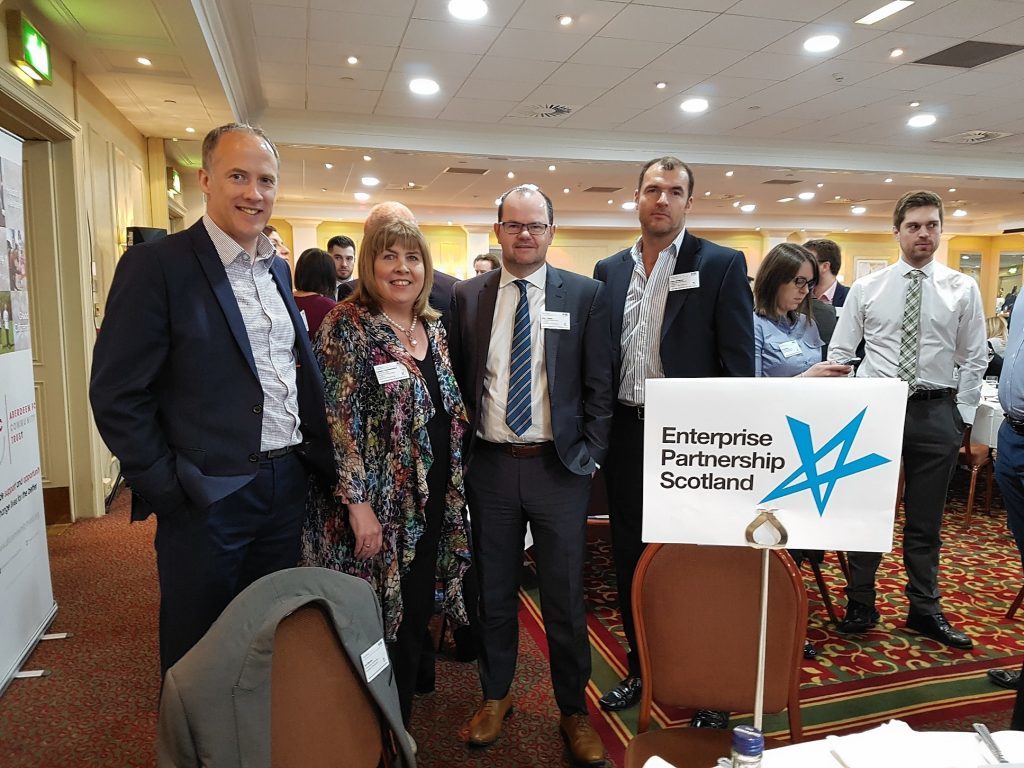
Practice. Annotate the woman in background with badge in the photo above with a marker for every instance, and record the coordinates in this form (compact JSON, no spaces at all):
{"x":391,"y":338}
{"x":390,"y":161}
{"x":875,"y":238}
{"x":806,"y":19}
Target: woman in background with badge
{"x":397,"y":420}
{"x":786,"y":340}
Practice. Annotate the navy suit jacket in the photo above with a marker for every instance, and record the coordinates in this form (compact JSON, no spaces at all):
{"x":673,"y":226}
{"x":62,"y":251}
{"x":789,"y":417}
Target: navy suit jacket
{"x":577,"y":360}
{"x":839,"y":297}
{"x":706,"y":331}
{"x":174,"y":387}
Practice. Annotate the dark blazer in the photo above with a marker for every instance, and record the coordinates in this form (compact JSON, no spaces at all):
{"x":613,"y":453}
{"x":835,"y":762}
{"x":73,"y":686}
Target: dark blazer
{"x":345,"y":289}
{"x":839,"y":297}
{"x":707,"y":331}
{"x":577,"y":360}
{"x":174,"y":387}
{"x":215,"y":705}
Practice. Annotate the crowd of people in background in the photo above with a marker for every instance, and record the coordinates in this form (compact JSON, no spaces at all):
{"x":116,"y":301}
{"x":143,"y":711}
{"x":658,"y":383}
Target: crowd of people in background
{"x":350,"y":423}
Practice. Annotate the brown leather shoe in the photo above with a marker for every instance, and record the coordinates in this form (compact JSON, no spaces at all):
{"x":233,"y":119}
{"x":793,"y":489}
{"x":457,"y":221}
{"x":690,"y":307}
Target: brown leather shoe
{"x":584,"y":744}
{"x":485,"y":727}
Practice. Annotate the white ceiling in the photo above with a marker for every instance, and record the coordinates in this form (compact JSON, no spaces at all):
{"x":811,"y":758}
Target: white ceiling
{"x":776,"y":112}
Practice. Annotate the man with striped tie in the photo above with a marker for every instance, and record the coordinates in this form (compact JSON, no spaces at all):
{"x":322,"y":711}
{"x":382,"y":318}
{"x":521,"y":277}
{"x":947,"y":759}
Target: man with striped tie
{"x":530,"y":348}
{"x":921,"y":322}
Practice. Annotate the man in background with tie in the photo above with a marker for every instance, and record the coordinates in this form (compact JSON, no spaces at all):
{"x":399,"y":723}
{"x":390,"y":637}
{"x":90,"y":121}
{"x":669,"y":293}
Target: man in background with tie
{"x":530,"y":348}
{"x":920,"y":321}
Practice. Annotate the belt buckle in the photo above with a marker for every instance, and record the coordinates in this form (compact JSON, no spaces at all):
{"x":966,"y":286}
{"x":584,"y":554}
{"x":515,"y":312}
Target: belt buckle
{"x":640,"y":412}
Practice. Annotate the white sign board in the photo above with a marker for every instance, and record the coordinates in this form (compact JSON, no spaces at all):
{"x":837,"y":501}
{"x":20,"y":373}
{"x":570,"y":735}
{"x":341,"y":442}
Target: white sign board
{"x":823,"y":452}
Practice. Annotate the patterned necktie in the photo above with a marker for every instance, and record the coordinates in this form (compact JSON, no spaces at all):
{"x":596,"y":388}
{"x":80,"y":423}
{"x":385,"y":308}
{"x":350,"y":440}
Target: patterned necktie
{"x":907,"y":367}
{"x":519,"y":409}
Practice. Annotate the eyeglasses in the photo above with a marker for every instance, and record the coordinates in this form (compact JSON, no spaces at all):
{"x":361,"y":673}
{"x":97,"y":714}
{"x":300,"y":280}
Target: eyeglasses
{"x":803,"y":282}
{"x":516,"y":228}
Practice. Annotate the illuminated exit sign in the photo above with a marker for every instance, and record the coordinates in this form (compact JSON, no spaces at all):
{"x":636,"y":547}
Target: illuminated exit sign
{"x":28,"y":49}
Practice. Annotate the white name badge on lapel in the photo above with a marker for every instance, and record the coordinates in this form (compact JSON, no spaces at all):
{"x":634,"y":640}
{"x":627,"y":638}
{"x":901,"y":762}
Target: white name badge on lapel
{"x":684,"y":281}
{"x":392,"y":371}
{"x":790,"y":348}
{"x":554,"y":321}
{"x":375,"y":660}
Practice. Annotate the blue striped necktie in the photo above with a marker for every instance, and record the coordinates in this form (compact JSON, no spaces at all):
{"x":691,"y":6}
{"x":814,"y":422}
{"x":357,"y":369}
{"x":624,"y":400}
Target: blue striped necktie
{"x":519,"y":408}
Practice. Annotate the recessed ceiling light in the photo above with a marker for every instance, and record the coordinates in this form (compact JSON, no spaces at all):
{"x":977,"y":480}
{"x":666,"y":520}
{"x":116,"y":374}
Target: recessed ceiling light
{"x":323,"y":189}
{"x":565,"y":190}
{"x":611,"y":202}
{"x":888,"y":181}
{"x":352,"y":60}
{"x":449,"y":223}
{"x":328,"y":166}
{"x":952,"y":189}
{"x":885,"y":11}
{"x":820,"y":43}
{"x":784,"y":200}
{"x":895,"y":53}
{"x":820,"y":186}
{"x":144,"y":61}
{"x":412,"y":183}
{"x":694,"y":105}
{"x":708,"y":193}
{"x":370,"y":181}
{"x":736,"y":204}
{"x":564,"y":19}
{"x":497,"y":201}
{"x":838,"y":197}
{"x":661,"y":84}
{"x":806,"y":195}
{"x":857,"y":210}
{"x":802,"y":229}
{"x":190,"y":129}
{"x":748,"y":207}
{"x":424,"y":86}
{"x":729,"y":173}
{"x":174,"y":138}
{"x":467,"y":10}
{"x":959,"y":212}
{"x":361,"y":196}
{"x":922,"y":120}
{"x":552,"y":168}
{"x":510,"y":175}
{"x":757,"y":229}
{"x":367,"y":158}
{"x":914,"y":104}
{"x":629,"y":206}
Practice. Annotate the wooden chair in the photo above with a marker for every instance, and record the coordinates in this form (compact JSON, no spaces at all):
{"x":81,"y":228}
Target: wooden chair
{"x":321,"y":713}
{"x":975,"y":457}
{"x":696,"y":610}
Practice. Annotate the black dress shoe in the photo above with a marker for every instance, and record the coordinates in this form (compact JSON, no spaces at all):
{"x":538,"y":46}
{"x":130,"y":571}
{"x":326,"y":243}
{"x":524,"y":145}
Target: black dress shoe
{"x":623,"y":696}
{"x":710,"y":718}
{"x":1005,"y":678}
{"x":810,"y":652}
{"x":465,"y":644}
{"x":859,"y":619}
{"x":938,"y":628}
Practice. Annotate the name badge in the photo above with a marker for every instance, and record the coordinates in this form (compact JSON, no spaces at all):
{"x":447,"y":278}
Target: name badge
{"x":684,"y":281}
{"x":554,"y":321}
{"x":393,"y":371}
{"x":305,"y":322}
{"x":790,"y":348}
{"x":375,"y":660}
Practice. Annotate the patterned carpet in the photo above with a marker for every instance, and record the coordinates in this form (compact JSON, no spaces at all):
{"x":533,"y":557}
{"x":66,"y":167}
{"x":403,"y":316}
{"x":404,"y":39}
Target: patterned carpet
{"x":98,"y":708}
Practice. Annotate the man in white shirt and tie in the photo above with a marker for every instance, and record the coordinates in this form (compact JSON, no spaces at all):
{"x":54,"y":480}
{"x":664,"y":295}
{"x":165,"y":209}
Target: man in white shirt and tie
{"x":920,"y":321}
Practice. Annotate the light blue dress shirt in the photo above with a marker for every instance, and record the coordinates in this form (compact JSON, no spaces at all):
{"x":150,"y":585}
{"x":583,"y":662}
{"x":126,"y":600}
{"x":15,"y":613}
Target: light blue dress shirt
{"x":785,"y":348}
{"x":1011,"y":379}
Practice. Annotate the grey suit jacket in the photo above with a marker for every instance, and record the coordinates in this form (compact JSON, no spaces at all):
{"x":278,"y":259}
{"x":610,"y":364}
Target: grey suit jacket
{"x":578,"y":361}
{"x":215,"y":707}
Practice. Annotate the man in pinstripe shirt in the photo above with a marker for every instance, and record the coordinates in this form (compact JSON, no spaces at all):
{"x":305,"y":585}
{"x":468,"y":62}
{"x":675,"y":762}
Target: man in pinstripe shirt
{"x":680,"y":308}
{"x":205,"y":386}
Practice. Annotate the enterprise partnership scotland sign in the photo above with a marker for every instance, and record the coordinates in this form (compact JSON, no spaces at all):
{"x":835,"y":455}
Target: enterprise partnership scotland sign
{"x":823,"y":453}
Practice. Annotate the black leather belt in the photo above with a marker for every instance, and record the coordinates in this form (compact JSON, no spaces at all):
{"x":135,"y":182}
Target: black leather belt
{"x":275,"y":453}
{"x":1017,"y":425}
{"x":931,"y":394}
{"x":636,"y":411}
{"x":522,"y":450}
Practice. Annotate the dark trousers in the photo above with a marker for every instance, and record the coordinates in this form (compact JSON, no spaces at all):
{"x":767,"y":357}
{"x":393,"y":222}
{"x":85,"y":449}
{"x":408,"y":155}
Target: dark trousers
{"x":1010,"y":477}
{"x":504,"y":493}
{"x":932,"y":434}
{"x":624,"y":473}
{"x":206,"y":557}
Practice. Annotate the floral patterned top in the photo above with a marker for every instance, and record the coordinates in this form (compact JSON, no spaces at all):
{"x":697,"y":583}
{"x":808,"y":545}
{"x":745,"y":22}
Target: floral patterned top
{"x":383,"y":452}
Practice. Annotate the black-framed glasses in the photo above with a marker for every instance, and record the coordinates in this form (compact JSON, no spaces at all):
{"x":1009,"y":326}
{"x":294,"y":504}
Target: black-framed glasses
{"x":803,"y":282}
{"x":516,"y":228}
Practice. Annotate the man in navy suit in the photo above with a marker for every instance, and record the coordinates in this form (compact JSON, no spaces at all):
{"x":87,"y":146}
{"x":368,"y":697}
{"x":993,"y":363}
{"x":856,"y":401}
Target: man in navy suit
{"x":205,"y":387}
{"x":828,"y":290}
{"x":530,"y":349}
{"x":680,"y":308}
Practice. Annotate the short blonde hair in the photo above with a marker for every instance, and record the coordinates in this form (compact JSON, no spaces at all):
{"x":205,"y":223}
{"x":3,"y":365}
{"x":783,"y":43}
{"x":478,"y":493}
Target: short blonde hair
{"x":388,"y":234}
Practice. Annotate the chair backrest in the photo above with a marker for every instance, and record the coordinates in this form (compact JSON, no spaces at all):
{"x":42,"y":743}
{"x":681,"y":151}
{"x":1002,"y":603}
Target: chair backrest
{"x":697,"y":615}
{"x":321,"y":713}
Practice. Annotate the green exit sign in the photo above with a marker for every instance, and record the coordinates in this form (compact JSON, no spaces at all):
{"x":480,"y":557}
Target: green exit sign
{"x":28,"y":49}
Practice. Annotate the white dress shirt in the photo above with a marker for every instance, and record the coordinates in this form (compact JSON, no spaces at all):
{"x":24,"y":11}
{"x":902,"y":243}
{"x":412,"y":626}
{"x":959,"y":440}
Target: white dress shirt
{"x":642,"y":319}
{"x":951,"y":336}
{"x":495,"y":396}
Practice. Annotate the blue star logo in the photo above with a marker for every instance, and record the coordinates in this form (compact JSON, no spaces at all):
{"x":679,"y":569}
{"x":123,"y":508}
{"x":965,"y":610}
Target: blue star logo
{"x":821,"y":484}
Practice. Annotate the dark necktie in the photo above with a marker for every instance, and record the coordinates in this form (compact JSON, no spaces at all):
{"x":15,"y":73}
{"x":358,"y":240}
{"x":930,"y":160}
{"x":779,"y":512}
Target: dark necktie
{"x":519,"y":409}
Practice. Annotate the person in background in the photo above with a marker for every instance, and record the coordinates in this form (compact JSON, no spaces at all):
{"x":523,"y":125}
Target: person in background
{"x":397,"y":421}
{"x":342,"y":250}
{"x":314,"y":287}
{"x":275,"y":237}
{"x":829,"y":290}
{"x":485,"y":262}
